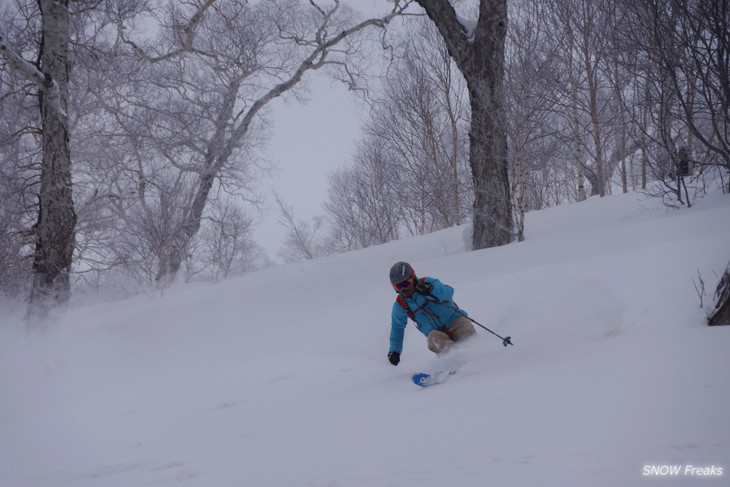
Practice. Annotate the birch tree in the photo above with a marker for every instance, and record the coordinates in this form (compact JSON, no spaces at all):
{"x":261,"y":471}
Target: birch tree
{"x":218,"y":65}
{"x":578,"y":27}
{"x":366,"y":200}
{"x":537,"y":172}
{"x":19,"y":158}
{"x":228,"y":247}
{"x":416,"y":135}
{"x":684,"y":53}
{"x":54,"y":231}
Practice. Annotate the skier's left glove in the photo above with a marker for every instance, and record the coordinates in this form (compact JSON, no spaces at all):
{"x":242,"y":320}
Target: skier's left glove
{"x":424,"y":288}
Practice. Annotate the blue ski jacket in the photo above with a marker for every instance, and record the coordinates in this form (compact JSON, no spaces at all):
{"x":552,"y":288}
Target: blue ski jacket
{"x":428,"y":313}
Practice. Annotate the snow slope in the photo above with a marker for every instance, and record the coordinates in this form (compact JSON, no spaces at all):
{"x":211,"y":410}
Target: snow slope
{"x":280,"y":378}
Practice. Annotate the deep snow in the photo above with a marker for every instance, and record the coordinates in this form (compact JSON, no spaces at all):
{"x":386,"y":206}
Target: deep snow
{"x":279,"y":378}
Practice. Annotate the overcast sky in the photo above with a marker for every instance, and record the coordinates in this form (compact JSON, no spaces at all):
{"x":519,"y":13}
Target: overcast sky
{"x":308,"y":141}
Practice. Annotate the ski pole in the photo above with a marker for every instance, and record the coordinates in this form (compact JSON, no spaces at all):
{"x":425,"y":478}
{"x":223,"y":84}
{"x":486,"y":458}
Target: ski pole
{"x":505,"y":341}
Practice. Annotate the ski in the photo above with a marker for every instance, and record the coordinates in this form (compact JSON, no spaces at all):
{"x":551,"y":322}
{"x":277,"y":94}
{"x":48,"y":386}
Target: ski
{"x":425,"y":380}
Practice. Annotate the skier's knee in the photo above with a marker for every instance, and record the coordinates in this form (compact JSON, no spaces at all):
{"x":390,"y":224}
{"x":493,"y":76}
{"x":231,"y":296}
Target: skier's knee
{"x":439,"y":342}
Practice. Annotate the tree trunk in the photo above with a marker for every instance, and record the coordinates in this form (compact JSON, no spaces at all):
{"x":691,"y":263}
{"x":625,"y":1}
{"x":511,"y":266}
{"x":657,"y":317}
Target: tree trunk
{"x":479,"y":55}
{"x":493,"y":224}
{"x":54,"y":230}
{"x":171,"y":261}
{"x":592,"y":178}
{"x":599,"y":184}
{"x":581,"y":182}
{"x":721,"y":313}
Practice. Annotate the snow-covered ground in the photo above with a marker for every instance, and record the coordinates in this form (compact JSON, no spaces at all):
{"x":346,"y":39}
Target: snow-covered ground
{"x":280,"y":378}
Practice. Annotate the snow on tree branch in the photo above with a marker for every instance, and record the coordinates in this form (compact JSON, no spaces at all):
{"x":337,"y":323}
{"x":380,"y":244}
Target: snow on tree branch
{"x":186,"y":38}
{"x":44,"y":81}
{"x":315,"y":60}
{"x":469,"y":26}
{"x":446,"y":20}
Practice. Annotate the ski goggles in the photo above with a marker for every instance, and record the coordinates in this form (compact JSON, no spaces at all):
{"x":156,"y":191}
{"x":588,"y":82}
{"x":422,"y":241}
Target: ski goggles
{"x":403,"y":284}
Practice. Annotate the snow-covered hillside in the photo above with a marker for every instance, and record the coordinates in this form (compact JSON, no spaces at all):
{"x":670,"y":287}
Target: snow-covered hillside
{"x":280,"y":378}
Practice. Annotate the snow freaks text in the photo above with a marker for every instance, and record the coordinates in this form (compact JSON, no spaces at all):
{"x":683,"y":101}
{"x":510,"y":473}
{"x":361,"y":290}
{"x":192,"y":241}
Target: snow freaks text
{"x":681,"y":471}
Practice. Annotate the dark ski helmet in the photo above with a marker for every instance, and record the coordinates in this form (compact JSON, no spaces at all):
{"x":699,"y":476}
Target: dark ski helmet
{"x":400,"y":272}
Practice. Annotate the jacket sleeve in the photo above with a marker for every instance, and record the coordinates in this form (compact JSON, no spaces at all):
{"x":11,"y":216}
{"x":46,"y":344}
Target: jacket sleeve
{"x":440,"y":291}
{"x":399,"y":320}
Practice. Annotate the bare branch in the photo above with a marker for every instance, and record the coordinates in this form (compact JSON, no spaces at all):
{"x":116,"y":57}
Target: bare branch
{"x":43,"y":81}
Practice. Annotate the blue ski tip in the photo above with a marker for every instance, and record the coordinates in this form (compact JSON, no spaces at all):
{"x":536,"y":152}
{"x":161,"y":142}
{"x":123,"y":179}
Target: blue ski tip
{"x":425,"y":380}
{"x":422,"y":380}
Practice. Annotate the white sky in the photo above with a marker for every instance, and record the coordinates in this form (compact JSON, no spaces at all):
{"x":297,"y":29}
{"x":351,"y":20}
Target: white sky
{"x":310,"y":140}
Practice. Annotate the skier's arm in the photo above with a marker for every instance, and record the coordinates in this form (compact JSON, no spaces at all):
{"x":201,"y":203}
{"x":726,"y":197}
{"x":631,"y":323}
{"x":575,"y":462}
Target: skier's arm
{"x":399,"y":320}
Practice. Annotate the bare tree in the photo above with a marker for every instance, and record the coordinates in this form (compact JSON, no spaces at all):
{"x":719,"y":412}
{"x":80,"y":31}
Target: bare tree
{"x":700,"y":73}
{"x":536,"y":163}
{"x":410,"y":172}
{"x":478,"y":51}
{"x":227,"y":244}
{"x":212,"y":89}
{"x":54,"y":229}
{"x":682,"y":60}
{"x":579,"y":29}
{"x":94,"y":152}
{"x":366,"y":201}
{"x":302,"y":241}
{"x":19,"y":159}
{"x":416,"y":135}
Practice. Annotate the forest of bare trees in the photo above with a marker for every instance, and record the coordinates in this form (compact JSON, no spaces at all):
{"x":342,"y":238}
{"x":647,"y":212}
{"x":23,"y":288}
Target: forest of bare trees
{"x":589,"y":110}
{"x":131,"y":131}
{"x":152,"y":115}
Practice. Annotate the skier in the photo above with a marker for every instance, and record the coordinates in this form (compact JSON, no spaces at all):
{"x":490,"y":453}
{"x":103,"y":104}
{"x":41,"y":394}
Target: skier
{"x":428,"y":302}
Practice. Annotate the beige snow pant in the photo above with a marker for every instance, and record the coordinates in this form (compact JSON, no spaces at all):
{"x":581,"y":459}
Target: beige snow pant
{"x":440,"y":341}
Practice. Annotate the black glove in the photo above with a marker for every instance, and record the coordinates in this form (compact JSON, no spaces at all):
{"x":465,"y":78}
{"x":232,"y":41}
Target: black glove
{"x":424,"y":288}
{"x":394,"y":358}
